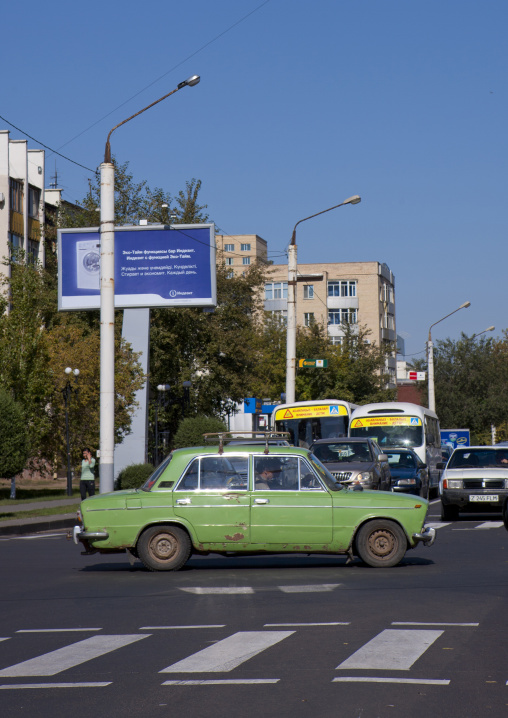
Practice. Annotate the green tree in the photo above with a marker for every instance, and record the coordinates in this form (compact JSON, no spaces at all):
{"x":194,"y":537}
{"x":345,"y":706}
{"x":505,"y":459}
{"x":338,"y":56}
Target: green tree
{"x":190,"y":431}
{"x":188,"y":210}
{"x":471,"y":385}
{"x":14,"y":446}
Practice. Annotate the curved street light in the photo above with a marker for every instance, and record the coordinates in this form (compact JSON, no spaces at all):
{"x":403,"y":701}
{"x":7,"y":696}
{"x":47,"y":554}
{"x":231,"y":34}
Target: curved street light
{"x":291,"y":305}
{"x":107,"y":302}
{"x":430,"y":356}
{"x":489,"y":329}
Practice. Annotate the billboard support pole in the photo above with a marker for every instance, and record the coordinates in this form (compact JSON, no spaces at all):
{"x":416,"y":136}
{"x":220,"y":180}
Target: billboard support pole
{"x":107,"y":328}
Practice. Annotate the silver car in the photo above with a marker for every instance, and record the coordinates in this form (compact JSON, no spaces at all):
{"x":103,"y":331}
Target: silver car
{"x":354,"y":461}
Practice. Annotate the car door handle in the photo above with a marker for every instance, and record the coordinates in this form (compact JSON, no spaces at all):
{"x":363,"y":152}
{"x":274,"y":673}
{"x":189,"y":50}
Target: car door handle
{"x":261,"y":501}
{"x":183,"y":502}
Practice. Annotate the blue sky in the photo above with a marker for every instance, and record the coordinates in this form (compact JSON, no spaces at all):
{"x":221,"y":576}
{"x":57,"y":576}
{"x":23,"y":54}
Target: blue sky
{"x":301,"y":104}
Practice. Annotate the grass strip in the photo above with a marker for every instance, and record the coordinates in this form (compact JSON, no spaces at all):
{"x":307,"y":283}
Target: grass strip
{"x":69,"y":509}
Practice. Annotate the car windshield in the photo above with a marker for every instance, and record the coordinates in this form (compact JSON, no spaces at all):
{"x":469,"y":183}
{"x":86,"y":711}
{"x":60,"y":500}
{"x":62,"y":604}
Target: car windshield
{"x":478,"y":458}
{"x":342,"y":452}
{"x":409,"y":435}
{"x":155,"y":474}
{"x":401,"y":460}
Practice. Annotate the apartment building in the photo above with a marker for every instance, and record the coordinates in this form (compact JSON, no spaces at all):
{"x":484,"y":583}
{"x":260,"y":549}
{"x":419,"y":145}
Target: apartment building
{"x":241,"y":250}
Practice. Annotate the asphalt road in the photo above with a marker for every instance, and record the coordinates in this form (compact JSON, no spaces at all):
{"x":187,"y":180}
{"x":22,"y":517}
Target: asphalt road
{"x":263,"y":636}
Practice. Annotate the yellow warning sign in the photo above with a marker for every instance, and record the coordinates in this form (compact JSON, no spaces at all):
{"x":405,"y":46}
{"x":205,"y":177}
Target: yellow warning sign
{"x":386,"y":421}
{"x":308,"y":412}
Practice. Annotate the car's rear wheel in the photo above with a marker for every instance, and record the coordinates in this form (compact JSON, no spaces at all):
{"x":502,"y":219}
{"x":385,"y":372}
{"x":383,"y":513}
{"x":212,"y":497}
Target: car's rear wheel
{"x":381,"y":543}
{"x":164,"y":548}
{"x":449,"y":513}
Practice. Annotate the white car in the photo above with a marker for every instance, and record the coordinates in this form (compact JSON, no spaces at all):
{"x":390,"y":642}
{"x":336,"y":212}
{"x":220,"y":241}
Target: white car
{"x":475,"y":479}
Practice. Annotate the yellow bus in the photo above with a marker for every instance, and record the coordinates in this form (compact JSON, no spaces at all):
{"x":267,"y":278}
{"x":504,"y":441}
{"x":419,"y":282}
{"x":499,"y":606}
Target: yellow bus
{"x":307,"y":421}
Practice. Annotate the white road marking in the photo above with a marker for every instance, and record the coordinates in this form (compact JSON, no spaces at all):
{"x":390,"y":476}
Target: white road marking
{"x":222,"y":682}
{"x":219,"y":590}
{"x":69,"y":656}
{"x":313,"y":588}
{"x":334,"y":623}
{"x":53,"y":685}
{"x":56,"y":630}
{"x":436,"y":524}
{"x":175,"y":628}
{"x":365,"y":679}
{"x":491,"y":525}
{"x":228,"y":653}
{"x":430,"y":623}
{"x":392,"y":650}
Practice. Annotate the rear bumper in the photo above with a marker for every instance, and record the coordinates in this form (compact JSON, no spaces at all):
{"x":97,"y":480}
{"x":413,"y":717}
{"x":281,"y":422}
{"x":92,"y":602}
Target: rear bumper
{"x":427,"y":536}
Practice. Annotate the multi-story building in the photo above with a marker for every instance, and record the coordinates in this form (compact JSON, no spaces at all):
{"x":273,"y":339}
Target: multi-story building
{"x":241,"y":250}
{"x":335,"y":294}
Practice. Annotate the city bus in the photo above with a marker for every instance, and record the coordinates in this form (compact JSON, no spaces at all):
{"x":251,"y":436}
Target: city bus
{"x":307,"y":421}
{"x":400,"y":424}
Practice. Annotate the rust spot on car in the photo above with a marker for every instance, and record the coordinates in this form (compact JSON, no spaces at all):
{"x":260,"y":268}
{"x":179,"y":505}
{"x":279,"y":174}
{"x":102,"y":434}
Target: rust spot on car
{"x":307,"y":547}
{"x":235,"y":537}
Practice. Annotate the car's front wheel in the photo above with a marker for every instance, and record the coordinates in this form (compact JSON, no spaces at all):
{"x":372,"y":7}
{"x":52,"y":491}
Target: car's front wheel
{"x":381,"y":543}
{"x":164,"y":548}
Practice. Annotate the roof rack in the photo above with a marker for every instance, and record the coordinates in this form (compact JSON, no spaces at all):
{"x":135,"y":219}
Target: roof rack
{"x":222,"y":436}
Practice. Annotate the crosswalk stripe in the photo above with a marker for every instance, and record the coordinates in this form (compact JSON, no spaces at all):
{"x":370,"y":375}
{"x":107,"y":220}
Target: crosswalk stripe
{"x":432,"y":623}
{"x":313,"y":588}
{"x":228,"y":653}
{"x":374,"y":679}
{"x":490,"y":525}
{"x":69,"y":656}
{"x":175,"y":628}
{"x":392,"y":649}
{"x":20,"y":686}
{"x":57,"y":630}
{"x":222,"y":682}
{"x":219,"y":590}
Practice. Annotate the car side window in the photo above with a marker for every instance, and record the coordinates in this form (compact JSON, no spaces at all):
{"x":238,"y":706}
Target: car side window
{"x":215,"y":472}
{"x":308,"y":479}
{"x":190,"y":479}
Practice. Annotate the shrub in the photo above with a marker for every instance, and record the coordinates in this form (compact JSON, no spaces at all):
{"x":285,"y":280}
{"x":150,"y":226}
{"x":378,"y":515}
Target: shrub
{"x":133,"y":476}
{"x":14,"y":450}
{"x":190,"y":431}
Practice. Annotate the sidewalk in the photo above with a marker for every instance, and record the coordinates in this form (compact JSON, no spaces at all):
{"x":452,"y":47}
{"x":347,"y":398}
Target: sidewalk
{"x":20,"y":527}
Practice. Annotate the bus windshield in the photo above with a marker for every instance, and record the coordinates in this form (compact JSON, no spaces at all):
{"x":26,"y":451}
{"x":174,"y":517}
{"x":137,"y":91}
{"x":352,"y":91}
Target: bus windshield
{"x":303,"y":432}
{"x":408,"y":434}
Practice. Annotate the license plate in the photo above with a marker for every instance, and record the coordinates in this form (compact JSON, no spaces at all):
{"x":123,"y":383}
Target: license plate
{"x":486,"y":497}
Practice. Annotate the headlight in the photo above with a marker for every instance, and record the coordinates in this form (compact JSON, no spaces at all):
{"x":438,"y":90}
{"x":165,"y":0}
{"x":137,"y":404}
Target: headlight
{"x":403,"y":482}
{"x":452,"y":483}
{"x":364,"y":477}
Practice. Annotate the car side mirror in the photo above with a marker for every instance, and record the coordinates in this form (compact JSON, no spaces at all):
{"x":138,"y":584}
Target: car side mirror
{"x":440,"y":466}
{"x":383,"y":457}
{"x":423,"y":466}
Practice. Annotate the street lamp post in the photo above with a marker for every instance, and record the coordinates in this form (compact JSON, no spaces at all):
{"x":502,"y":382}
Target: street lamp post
{"x":67,"y":393}
{"x":161,"y":390}
{"x":430,"y":356}
{"x":489,"y":329}
{"x":107,"y":303}
{"x":291,"y":305}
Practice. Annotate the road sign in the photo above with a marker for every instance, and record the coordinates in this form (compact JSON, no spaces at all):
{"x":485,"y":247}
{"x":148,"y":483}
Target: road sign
{"x":417,"y":375}
{"x":316,"y":363}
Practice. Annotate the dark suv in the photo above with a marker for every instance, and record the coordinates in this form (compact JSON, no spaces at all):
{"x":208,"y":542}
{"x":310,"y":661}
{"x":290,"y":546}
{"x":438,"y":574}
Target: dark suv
{"x":354,"y":461}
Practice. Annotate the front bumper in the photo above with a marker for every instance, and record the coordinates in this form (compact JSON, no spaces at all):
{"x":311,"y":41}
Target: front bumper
{"x":79,"y":534}
{"x":461,"y":498}
{"x":427,"y":536}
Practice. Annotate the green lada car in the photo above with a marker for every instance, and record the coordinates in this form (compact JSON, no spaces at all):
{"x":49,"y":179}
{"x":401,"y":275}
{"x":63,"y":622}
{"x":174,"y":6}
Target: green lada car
{"x":250,"y":500}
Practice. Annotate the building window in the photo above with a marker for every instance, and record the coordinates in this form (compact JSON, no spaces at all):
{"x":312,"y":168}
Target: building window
{"x":34,"y":196}
{"x":276,"y":290}
{"x":16,"y":196}
{"x":336,"y":341}
{"x":229,"y":247}
{"x":32,"y":254}
{"x":342,"y":288}
{"x":280,"y":316}
{"x":230,"y":275}
{"x":308,"y":319}
{"x":245,"y":247}
{"x":229,"y":261}
{"x":342,"y":316}
{"x":245,"y":260}
{"x":308,"y":291}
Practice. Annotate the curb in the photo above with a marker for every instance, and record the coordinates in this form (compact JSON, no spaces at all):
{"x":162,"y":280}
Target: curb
{"x":37,"y":525}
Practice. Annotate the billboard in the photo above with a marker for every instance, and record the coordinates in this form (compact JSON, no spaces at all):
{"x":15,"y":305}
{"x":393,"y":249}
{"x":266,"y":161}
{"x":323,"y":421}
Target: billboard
{"x":455,"y":437}
{"x":155,"y":266}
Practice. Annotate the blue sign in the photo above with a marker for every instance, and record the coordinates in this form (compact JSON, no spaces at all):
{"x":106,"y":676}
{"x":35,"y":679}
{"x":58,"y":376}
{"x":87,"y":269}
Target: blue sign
{"x":252,"y":406}
{"x":155,"y":266}
{"x":455,"y":437}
